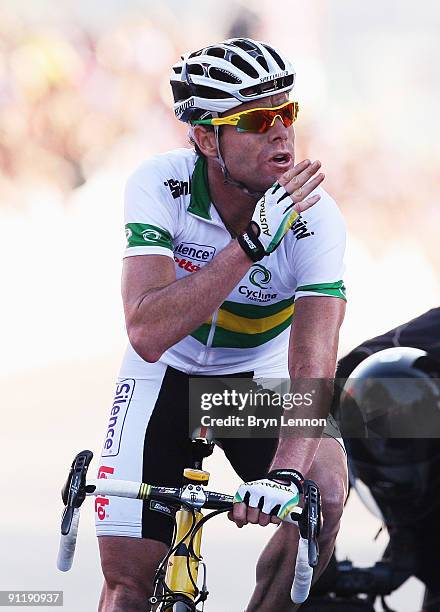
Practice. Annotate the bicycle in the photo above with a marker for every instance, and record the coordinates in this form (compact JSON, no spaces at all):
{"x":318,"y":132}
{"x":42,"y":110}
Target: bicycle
{"x":175,"y":583}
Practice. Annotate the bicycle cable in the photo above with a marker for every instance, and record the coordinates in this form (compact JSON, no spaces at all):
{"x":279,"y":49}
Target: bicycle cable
{"x":201,"y":593}
{"x":199,"y":526}
{"x":171,"y":550}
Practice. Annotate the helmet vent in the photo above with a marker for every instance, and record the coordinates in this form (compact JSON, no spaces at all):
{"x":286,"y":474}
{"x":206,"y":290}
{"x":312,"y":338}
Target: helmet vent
{"x":195,"y":53}
{"x":240,"y":63}
{"x":203,"y":91}
{"x":262,"y":61}
{"x":223,"y":75}
{"x":243,"y":44}
{"x":216,"y":52}
{"x":276,"y":57}
{"x":181,"y":91}
{"x":195,"y":69}
{"x":268,"y":87}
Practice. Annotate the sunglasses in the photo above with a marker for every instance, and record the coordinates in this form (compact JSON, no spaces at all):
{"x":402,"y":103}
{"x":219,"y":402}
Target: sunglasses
{"x":257,"y":120}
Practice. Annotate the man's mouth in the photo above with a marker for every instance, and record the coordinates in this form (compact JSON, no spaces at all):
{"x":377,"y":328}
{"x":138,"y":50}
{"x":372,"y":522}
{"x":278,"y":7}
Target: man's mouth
{"x":281,"y":159}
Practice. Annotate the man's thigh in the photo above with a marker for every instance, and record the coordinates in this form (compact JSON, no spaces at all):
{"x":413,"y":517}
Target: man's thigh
{"x":130,"y":561}
{"x":146,"y":440}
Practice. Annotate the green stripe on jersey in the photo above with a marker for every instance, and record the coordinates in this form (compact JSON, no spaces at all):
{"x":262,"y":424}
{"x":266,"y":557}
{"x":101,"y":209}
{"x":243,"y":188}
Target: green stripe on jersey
{"x":224,"y":338}
{"x":201,"y":333}
{"x":336,"y":289}
{"x":144,"y":234}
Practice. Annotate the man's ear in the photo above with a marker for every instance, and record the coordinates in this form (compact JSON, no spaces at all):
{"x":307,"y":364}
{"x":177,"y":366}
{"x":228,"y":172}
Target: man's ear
{"x":204,"y":137}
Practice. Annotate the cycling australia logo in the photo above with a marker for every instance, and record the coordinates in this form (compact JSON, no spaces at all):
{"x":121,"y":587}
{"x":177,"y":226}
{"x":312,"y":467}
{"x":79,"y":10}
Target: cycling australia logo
{"x":260,"y":277}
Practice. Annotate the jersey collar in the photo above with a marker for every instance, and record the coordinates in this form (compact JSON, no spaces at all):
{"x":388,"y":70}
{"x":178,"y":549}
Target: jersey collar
{"x":200,"y":203}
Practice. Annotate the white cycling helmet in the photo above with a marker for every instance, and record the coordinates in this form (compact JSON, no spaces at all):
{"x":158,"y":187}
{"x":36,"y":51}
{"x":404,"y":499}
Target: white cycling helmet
{"x":221,"y":76}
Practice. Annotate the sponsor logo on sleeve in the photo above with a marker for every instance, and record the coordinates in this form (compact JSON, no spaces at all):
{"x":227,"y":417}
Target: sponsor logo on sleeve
{"x":102,"y":502}
{"x":178,"y":188}
{"x":145,"y":234}
{"x":189,"y":256}
{"x":197,"y":252}
{"x":299,"y":228}
{"x":150,"y":235}
{"x":118,"y":413}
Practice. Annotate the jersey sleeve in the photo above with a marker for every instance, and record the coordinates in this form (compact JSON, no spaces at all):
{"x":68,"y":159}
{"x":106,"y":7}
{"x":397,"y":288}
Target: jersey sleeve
{"x":150,"y":218}
{"x":319,"y":251}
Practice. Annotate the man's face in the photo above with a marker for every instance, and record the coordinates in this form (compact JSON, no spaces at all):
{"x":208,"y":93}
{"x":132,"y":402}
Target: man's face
{"x":249,"y":157}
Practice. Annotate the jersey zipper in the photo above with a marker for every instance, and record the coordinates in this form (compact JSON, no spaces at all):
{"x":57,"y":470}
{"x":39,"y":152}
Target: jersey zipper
{"x":210,"y":336}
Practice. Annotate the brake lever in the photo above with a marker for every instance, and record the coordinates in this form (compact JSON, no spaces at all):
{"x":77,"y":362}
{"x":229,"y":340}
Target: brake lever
{"x":311,"y":523}
{"x":73,"y":492}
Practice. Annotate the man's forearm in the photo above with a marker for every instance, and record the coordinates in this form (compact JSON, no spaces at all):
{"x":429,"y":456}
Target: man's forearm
{"x":167,"y":314}
{"x":312,"y":363}
{"x":298,"y":445}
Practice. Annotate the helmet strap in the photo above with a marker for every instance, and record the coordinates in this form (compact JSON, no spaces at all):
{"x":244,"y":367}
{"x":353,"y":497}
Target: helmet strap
{"x":227,"y":178}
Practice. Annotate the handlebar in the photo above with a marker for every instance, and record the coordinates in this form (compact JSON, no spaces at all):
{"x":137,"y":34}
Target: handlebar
{"x":194,"y":496}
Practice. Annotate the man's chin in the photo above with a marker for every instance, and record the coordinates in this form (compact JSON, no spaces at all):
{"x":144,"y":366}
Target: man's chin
{"x":264,"y":182}
{"x":276,"y":175}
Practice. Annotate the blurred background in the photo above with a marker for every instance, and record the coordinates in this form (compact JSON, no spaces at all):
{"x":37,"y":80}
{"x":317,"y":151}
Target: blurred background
{"x":84,"y":98}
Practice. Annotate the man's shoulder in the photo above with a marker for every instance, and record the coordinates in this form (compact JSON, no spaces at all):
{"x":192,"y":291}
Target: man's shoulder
{"x":177,"y":164}
{"x":326,"y":205}
{"x":324,"y":217}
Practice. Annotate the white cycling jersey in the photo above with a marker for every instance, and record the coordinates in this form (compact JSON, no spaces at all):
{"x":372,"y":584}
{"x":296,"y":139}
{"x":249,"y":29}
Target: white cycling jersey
{"x":168,"y":211}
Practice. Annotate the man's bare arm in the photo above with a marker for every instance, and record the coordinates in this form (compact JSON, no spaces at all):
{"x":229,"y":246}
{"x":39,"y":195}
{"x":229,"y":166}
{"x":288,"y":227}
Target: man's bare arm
{"x":160,"y":310}
{"x":312,"y":355}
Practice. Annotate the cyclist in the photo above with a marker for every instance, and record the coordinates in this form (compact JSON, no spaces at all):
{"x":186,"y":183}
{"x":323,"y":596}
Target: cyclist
{"x":211,"y":275}
{"x":401,"y":473}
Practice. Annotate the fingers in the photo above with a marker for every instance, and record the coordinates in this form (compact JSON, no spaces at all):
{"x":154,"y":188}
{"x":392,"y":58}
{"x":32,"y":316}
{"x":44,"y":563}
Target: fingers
{"x":242,"y":515}
{"x":302,"y":206}
{"x":293,"y":172}
{"x":302,"y":192}
{"x":239,"y":515}
{"x":301,"y":180}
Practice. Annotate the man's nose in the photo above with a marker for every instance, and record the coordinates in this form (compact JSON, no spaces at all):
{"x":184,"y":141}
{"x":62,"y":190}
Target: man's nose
{"x":278,"y":129}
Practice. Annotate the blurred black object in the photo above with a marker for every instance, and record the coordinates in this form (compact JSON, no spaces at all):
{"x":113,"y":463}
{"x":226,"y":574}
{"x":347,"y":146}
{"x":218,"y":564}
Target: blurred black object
{"x":244,"y":24}
{"x":402,"y":474}
{"x":393,"y":393}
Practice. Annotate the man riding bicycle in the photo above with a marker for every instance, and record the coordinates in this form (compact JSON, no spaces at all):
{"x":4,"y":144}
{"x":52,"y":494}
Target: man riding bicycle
{"x":211,"y":277}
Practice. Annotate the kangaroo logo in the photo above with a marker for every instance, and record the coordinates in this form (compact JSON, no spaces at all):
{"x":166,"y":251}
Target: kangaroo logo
{"x":260,"y":276}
